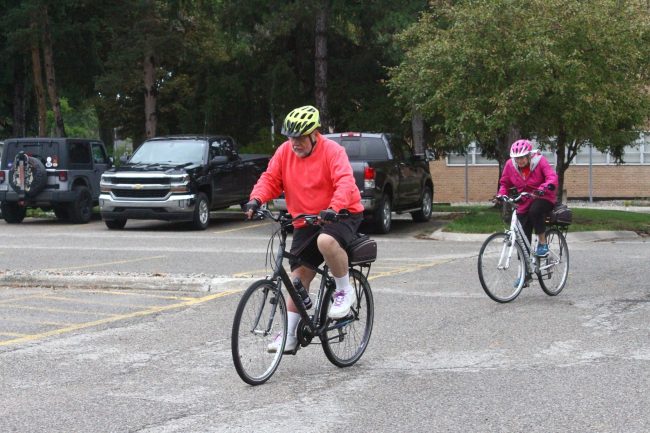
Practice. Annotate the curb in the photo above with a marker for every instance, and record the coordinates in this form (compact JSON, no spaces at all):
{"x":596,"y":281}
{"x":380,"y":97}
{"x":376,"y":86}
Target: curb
{"x":595,"y":236}
{"x":174,"y":283}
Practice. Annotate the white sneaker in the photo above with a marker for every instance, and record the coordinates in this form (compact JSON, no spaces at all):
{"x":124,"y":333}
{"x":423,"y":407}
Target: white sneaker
{"x":289,"y":346}
{"x":343,"y":300}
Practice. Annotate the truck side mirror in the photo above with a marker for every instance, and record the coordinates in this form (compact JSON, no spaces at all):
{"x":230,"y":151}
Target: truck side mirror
{"x":124,"y":159}
{"x":429,"y":154}
{"x":218,"y":160}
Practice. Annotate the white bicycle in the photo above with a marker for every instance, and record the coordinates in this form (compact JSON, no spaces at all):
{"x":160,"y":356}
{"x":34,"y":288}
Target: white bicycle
{"x":507,"y":264}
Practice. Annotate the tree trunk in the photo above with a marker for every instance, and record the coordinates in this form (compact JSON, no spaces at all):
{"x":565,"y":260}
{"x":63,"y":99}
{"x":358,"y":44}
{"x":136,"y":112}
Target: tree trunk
{"x":37,"y":72}
{"x":150,"y":94}
{"x":19,"y":98}
{"x":50,"y":75}
{"x":560,"y":168}
{"x":320,"y":79}
{"x":417,"y":128}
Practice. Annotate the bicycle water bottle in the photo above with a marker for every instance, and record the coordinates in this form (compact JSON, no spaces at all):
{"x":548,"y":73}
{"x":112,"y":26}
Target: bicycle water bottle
{"x":304,"y":295}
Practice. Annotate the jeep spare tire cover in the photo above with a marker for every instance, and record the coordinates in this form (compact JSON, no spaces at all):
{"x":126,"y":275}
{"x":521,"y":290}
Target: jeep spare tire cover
{"x":27,"y":175}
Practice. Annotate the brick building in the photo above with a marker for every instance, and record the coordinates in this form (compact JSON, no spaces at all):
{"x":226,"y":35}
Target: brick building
{"x":458,"y":178}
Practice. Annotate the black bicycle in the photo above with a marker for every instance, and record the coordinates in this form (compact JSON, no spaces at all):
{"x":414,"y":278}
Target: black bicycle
{"x":262,"y":312}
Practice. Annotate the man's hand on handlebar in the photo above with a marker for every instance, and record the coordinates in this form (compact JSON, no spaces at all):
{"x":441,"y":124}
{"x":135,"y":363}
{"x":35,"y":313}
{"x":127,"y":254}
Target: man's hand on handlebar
{"x":251,"y":207}
{"x":328,"y":215}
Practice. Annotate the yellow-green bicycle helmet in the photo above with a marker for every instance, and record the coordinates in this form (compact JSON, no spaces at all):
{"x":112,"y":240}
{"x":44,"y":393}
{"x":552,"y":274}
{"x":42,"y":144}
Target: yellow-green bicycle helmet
{"x":301,"y":121}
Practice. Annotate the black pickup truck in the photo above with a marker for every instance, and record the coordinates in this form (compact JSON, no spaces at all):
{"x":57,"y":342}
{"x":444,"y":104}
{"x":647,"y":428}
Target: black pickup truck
{"x":390,"y":177}
{"x":179,"y":178}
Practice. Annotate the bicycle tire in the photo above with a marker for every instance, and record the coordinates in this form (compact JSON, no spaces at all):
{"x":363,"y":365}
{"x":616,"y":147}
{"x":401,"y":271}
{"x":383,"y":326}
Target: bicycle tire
{"x":261,"y":314}
{"x":345,"y":341}
{"x":498,"y":283}
{"x":554,"y":268}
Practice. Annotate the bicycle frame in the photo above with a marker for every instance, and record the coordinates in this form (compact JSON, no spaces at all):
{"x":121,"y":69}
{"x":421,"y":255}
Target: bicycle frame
{"x":516,"y":234}
{"x":317,"y":324}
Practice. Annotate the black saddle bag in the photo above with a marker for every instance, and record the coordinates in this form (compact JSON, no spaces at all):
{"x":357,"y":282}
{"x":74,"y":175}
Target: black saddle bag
{"x":362,"y":250}
{"x":561,"y":214}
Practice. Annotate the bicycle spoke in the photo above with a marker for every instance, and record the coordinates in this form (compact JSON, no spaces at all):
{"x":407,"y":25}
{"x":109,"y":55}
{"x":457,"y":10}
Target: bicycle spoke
{"x":554,"y":269}
{"x":345,"y":341}
{"x":260,"y":316}
{"x":501,"y":268}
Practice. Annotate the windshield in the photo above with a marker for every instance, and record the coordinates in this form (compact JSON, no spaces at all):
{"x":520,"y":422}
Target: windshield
{"x":174,"y":152}
{"x":363,"y":148}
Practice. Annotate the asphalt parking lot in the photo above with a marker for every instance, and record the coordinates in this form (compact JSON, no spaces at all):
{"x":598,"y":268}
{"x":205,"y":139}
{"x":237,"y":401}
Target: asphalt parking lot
{"x":132,"y":334}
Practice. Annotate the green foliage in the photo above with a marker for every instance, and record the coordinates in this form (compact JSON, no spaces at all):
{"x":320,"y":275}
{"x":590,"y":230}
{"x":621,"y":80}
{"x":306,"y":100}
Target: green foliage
{"x":80,"y":122}
{"x":565,"y":71}
{"x":487,"y":219}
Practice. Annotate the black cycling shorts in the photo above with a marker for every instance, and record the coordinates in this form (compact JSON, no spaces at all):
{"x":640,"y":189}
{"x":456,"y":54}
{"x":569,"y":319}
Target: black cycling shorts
{"x":304,"y":239}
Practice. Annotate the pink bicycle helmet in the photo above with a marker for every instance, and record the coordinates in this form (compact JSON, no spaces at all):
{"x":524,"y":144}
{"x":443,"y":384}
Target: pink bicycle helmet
{"x":521,"y":148}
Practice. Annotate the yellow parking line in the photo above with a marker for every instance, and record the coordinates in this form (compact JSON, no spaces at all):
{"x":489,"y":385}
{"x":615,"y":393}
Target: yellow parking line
{"x":144,"y":295}
{"x":56,"y":310}
{"x":392,"y":270}
{"x":92,"y":302}
{"x":407,"y":269}
{"x":246,"y":227}
{"x":22,"y":298}
{"x":12,"y":334}
{"x":120,"y":262}
{"x":141,"y":313}
{"x":33,"y":322}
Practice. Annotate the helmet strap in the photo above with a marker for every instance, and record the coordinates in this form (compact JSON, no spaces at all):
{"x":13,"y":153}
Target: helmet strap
{"x":313,"y":144}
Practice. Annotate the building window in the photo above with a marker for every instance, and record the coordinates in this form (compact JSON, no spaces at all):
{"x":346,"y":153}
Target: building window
{"x":636,"y":153}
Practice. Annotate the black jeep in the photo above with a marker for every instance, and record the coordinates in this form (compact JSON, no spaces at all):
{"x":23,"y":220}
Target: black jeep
{"x":59,"y":174}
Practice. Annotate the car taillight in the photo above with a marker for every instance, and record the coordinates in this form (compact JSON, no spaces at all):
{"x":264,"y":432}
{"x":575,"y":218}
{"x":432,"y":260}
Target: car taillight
{"x":2,"y":176}
{"x":369,"y":177}
{"x":63,"y":176}
{"x":351,"y":134}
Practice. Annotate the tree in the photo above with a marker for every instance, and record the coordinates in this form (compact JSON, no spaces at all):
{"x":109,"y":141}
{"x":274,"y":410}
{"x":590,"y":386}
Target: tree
{"x":566,"y":72}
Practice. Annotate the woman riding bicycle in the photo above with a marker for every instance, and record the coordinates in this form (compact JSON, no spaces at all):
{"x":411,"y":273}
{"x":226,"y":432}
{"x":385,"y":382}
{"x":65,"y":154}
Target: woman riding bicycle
{"x":316,"y":177}
{"x":528,"y":171}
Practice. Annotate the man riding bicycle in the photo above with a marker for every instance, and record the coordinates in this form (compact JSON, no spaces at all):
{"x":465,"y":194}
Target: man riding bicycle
{"x":316,"y":177}
{"x":528,"y":171}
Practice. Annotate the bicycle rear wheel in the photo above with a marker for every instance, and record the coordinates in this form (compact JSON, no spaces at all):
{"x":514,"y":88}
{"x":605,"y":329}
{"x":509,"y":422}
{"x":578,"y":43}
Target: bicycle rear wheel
{"x":501,"y":269}
{"x":345,"y":340}
{"x":260,"y":316}
{"x":554,"y":268}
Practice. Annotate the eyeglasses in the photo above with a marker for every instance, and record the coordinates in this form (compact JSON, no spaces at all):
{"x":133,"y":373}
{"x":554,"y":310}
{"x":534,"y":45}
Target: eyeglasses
{"x":299,"y":141}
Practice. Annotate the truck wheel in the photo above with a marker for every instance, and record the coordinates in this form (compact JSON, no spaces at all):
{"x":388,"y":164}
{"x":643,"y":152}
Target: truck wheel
{"x":115,"y":224}
{"x":201,"y":218}
{"x":35,"y":175}
{"x":426,"y":205}
{"x":383,"y":216}
{"x":12,"y":213}
{"x":80,"y":210}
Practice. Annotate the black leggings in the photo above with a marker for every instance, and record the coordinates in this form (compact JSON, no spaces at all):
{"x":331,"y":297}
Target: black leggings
{"x":535,"y":218}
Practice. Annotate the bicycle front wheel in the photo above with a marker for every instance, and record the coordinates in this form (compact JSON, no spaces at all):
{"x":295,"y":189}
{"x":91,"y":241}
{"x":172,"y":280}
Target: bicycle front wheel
{"x":554,"y":268}
{"x":345,"y":340}
{"x":260,"y":317}
{"x":501,"y":268}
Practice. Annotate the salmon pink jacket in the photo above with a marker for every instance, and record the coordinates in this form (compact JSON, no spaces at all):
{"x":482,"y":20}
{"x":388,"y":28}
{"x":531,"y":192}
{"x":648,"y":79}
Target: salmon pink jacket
{"x":319,"y":181}
{"x":540,"y":177}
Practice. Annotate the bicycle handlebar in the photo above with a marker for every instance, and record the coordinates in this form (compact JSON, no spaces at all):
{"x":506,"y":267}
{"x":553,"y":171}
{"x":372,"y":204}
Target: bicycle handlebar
{"x":285,"y":219}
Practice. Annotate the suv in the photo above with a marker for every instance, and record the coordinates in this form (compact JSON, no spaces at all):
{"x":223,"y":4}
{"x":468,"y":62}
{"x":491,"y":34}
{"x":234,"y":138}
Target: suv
{"x":59,"y":174}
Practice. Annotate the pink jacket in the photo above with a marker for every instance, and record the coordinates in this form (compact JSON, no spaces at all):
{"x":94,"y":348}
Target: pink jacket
{"x":322,"y":180}
{"x":541,"y":175}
